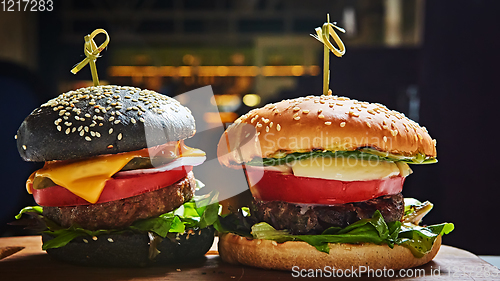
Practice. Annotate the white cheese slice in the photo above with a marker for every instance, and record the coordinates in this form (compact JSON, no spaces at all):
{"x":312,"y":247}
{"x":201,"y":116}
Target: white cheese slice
{"x":348,"y":169}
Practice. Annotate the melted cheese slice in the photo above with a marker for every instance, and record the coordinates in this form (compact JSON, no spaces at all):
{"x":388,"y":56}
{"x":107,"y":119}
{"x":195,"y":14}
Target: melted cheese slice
{"x":87,"y":178}
{"x":346,"y":169}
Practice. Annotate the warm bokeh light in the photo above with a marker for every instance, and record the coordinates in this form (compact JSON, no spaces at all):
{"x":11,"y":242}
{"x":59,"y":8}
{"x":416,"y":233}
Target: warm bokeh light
{"x":251,"y":100}
{"x":221,"y":71}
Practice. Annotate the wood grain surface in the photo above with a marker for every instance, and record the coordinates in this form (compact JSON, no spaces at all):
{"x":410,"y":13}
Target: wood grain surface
{"x":33,"y":264}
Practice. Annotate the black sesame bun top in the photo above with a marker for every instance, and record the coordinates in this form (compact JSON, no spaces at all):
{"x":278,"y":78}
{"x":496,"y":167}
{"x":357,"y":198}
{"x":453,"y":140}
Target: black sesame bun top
{"x":102,"y":120}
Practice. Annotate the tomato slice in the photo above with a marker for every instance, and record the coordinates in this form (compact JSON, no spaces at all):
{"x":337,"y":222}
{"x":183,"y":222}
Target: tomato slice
{"x":116,"y":188}
{"x":277,"y":186}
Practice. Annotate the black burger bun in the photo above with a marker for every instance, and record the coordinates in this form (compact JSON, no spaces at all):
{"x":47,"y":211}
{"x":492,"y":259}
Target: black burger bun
{"x":102,"y":120}
{"x":133,"y":249}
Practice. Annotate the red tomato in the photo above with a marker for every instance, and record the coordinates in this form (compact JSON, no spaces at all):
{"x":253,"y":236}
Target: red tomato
{"x":276,"y":186}
{"x":115,"y":188}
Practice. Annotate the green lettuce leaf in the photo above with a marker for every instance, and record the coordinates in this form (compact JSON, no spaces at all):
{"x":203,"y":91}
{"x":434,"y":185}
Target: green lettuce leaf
{"x":30,"y":209}
{"x":364,"y":154}
{"x":373,"y":230}
{"x":199,"y":212}
{"x":420,"y":239}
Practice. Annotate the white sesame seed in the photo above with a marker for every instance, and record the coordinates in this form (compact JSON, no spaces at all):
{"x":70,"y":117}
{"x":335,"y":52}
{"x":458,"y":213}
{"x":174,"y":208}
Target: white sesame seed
{"x":59,"y":128}
{"x":86,"y":129}
{"x":117,"y":121}
{"x":110,"y":131}
{"x":68,"y":130}
{"x":296,"y":118}
{"x":87,"y":138}
{"x":92,"y":133}
{"x":82,"y":133}
{"x":342,"y":124}
{"x":24,"y":147}
{"x":98,"y":134}
{"x":274,"y":243}
{"x":132,"y":120}
{"x":15,"y":137}
{"x":141,"y":119}
{"x":328,"y":123}
{"x":278,"y":127}
{"x":305,"y":111}
{"x":119,"y":137}
{"x":86,"y":241}
{"x":321,"y":116}
{"x":110,"y":240}
{"x":385,"y":139}
{"x":73,"y":129}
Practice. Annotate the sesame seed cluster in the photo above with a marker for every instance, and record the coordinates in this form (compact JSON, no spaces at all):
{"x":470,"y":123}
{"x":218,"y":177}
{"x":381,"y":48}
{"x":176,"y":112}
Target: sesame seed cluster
{"x":331,"y":123}
{"x":108,"y":114}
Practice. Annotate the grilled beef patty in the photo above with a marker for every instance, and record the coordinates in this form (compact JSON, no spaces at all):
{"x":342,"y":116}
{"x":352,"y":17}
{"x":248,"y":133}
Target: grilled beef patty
{"x":314,"y":219}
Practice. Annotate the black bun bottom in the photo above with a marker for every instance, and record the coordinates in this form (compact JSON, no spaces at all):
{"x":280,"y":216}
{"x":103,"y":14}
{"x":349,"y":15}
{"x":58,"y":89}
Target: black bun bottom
{"x":132,"y":249}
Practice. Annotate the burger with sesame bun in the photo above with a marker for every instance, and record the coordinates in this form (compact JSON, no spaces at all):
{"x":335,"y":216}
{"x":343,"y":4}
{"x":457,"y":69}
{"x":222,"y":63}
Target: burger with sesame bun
{"x":326,"y":174}
{"x":117,"y":187}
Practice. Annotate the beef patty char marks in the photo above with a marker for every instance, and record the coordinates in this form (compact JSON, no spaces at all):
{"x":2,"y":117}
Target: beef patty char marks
{"x":121,"y":213}
{"x":314,"y":219}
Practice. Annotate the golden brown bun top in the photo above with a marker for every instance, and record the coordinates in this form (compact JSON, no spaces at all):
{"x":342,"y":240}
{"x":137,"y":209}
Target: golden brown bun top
{"x":322,"y":122}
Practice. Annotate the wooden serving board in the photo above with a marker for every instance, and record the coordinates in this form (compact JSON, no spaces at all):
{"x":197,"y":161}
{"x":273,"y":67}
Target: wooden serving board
{"x":33,"y":264}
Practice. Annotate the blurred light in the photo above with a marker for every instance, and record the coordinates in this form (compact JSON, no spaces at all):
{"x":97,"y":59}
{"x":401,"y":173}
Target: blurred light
{"x":212,"y":101}
{"x":211,"y":71}
{"x":297,"y":70}
{"x":254,"y":70}
{"x":188,"y":59}
{"x":227,"y":102}
{"x":350,"y":21}
{"x":251,"y":100}
{"x":238,"y":59}
{"x":222,"y":70}
{"x":184,"y":71}
{"x":314,"y":70}
{"x":218,"y":117}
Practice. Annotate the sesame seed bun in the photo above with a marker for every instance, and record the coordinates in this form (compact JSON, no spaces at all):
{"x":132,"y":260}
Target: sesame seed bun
{"x":322,"y":122}
{"x":102,"y":120}
{"x":268,"y":254}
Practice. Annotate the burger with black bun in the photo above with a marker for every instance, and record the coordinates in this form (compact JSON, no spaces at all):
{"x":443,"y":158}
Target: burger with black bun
{"x":117,"y":187}
{"x":326,"y":174}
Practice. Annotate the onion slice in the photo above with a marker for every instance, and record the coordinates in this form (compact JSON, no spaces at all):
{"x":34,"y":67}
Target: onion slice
{"x":179,"y":162}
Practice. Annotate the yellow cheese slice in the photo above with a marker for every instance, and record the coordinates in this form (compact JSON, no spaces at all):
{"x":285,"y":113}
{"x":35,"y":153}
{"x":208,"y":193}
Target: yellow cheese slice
{"x":87,"y":178}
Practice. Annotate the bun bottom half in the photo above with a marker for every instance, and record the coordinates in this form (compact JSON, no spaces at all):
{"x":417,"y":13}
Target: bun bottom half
{"x":132,"y":249}
{"x":268,"y":254}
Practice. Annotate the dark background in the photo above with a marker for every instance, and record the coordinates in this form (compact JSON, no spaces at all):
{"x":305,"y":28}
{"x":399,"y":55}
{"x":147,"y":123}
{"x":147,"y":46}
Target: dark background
{"x":455,"y":70}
